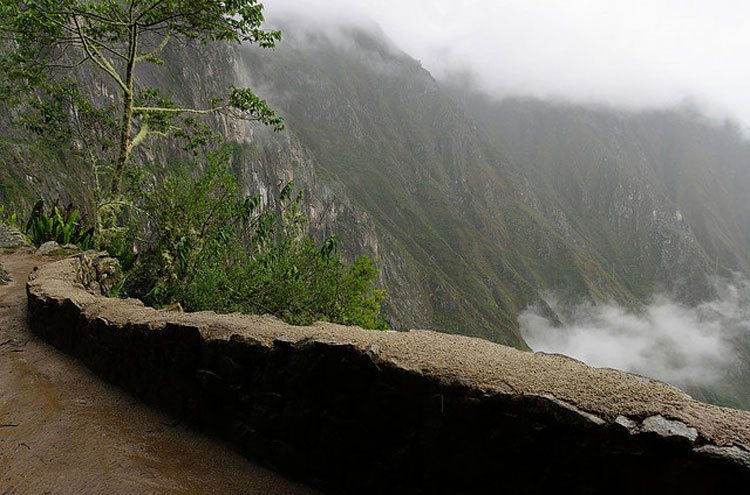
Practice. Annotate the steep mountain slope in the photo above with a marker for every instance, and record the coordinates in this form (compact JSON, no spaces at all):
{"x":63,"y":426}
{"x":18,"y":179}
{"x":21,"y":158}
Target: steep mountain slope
{"x":467,"y":246}
{"x":473,"y":208}
{"x":38,"y":166}
{"x":479,"y":207}
{"x":661,"y":195}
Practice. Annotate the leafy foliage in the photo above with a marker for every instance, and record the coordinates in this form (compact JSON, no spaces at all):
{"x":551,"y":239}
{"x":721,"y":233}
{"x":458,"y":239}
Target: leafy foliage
{"x":9,"y":219}
{"x":45,"y":38}
{"x":207,"y":249}
{"x":61,"y":226}
{"x":187,"y":240}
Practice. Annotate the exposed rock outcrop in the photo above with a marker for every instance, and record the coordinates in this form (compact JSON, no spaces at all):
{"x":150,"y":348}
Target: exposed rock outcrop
{"x":359,"y":411}
{"x":11,"y":237}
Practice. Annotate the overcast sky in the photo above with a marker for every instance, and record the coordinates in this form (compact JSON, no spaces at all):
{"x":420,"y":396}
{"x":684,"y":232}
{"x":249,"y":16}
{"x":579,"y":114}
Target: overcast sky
{"x":633,"y":54}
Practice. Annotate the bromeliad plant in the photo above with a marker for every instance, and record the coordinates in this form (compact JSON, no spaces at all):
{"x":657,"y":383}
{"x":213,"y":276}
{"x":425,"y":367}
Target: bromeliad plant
{"x":61,"y":226}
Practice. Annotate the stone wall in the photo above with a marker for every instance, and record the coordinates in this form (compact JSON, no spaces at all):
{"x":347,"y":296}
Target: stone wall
{"x":356,"y":411}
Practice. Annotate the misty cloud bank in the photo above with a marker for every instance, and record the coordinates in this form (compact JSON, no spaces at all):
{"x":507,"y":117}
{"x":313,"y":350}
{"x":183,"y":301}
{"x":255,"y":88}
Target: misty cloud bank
{"x":667,"y":341}
{"x":633,"y":55}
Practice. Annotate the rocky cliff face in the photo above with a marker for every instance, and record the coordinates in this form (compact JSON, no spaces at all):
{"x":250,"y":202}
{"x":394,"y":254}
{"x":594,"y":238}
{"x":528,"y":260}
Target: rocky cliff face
{"x":657,"y":193}
{"x":474,"y":209}
{"x":495,"y":202}
{"x":262,"y":160}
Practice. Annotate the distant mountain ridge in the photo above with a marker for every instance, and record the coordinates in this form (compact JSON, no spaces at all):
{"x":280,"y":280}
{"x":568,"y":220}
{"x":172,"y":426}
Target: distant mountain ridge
{"x":652,"y":176}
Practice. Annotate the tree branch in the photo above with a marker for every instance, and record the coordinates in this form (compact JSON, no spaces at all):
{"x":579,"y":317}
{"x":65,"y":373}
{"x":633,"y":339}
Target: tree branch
{"x":177,"y":110}
{"x":169,"y":18}
{"x":105,"y":47}
{"x":155,"y":50}
{"x":102,"y":62}
{"x":139,"y":137}
{"x":70,"y":66}
{"x":99,"y":18}
{"x":143,"y":133}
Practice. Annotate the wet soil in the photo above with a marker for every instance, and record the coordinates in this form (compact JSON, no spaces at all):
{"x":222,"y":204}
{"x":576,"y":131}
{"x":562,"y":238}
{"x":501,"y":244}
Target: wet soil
{"x":64,"y":431}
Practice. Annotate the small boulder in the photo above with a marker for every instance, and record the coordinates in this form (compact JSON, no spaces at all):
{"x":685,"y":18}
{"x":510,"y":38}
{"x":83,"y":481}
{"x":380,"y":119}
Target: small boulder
{"x":48,"y":247}
{"x":733,"y":454}
{"x":4,"y":276}
{"x":628,"y":424}
{"x":11,"y":237}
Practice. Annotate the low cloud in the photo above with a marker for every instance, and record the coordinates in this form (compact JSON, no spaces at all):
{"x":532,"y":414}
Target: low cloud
{"x":634,"y":55}
{"x":668,"y":341}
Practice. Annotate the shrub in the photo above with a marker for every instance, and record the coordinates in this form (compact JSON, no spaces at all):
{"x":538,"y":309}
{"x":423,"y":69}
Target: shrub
{"x":209,"y":249}
{"x":8,"y":219}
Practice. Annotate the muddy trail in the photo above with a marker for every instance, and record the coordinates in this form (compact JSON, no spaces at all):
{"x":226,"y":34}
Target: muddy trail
{"x":64,"y":431}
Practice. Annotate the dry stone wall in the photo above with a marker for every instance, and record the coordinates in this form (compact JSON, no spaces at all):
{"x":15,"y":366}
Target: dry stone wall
{"x":356,"y":411}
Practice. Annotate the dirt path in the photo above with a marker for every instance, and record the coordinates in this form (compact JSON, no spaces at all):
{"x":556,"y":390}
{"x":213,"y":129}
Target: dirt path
{"x":64,"y":431}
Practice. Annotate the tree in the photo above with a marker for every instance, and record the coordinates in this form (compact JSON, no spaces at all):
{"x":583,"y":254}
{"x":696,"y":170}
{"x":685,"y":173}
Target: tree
{"x":42,"y":38}
{"x":198,"y":242}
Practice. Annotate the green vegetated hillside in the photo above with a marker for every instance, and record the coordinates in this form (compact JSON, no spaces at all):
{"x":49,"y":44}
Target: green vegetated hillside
{"x":662,"y":195}
{"x":592,"y":203}
{"x":474,"y":208}
{"x":480,"y":206}
{"x":463,"y":241}
{"x":57,"y":170}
